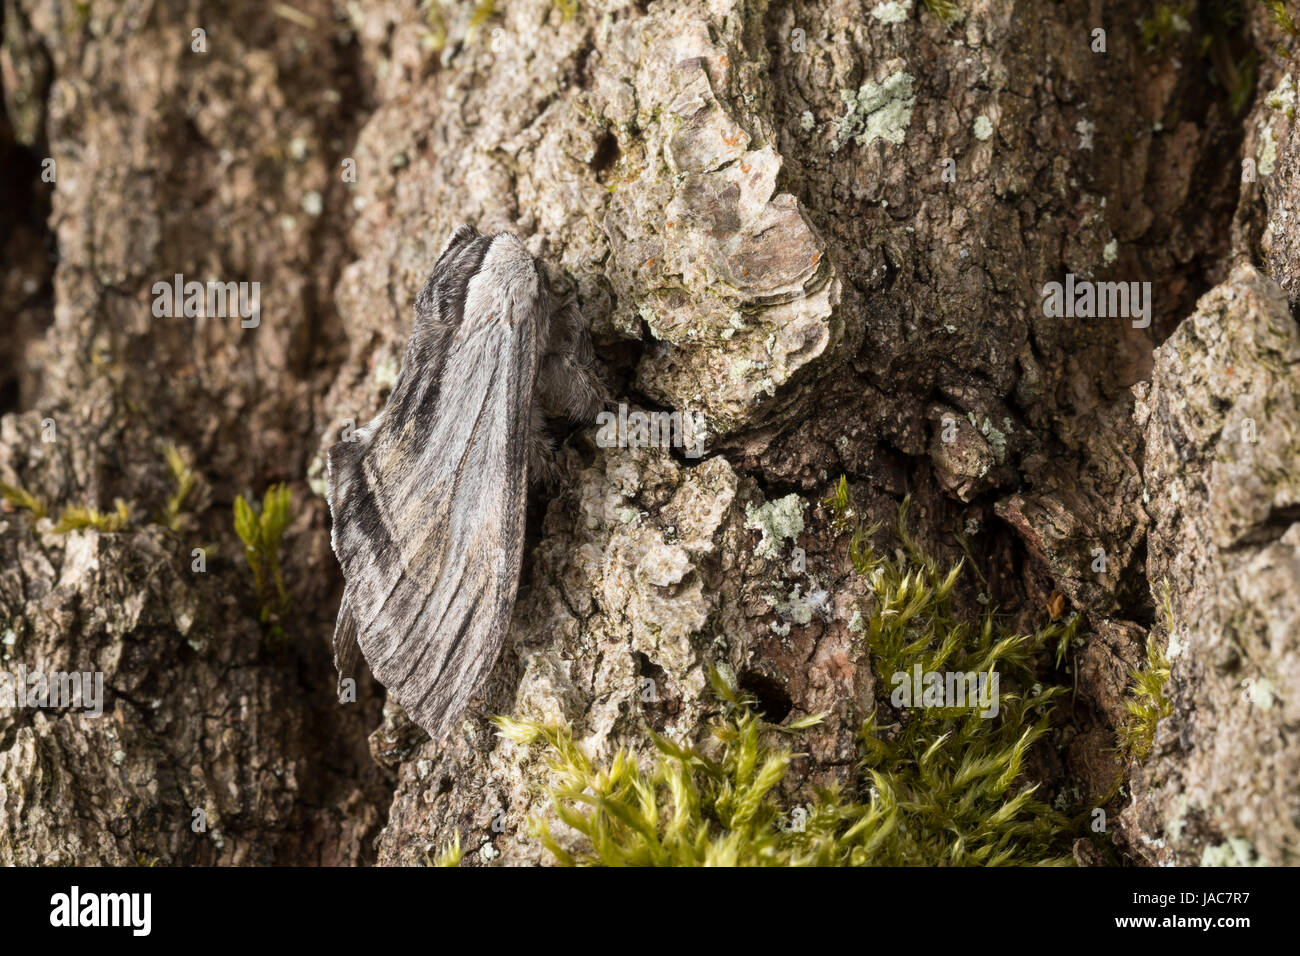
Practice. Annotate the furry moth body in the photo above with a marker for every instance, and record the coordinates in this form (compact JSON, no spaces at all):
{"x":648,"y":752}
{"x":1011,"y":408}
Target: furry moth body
{"x":428,"y":499}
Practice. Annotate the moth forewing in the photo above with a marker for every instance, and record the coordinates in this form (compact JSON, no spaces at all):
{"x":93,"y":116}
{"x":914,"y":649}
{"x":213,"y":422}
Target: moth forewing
{"x":429,"y":511}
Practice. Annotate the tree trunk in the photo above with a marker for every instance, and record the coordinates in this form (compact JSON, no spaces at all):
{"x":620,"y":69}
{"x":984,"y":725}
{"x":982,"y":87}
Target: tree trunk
{"x":826,"y":226}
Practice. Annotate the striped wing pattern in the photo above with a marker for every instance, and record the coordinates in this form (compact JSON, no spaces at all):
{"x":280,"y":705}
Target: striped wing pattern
{"x":429,"y":502}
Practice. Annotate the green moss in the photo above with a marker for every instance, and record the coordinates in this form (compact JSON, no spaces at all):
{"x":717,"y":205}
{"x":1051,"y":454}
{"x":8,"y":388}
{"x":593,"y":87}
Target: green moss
{"x":450,"y":855}
{"x":1147,"y":703}
{"x":183,"y":476}
{"x":690,"y":808}
{"x":839,"y":505}
{"x":1216,"y":29}
{"x":21,"y":498}
{"x":439,"y":23}
{"x":946,"y":12}
{"x":1289,"y":24}
{"x":958,"y":769}
{"x":261,"y":534}
{"x":1067,"y":638}
{"x":938,"y":785}
{"x":79,"y":516}
{"x":80,"y":14}
{"x":484,"y":11}
{"x":1166,"y":27}
{"x":1240,"y":82}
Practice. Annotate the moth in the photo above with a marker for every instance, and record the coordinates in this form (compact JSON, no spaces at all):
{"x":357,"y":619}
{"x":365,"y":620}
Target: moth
{"x":428,"y":499}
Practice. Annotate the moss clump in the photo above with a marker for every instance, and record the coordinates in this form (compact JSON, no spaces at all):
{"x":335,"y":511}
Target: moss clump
{"x":1147,"y":703}
{"x":946,"y":12}
{"x":953,"y":770}
{"x":184,"y":478}
{"x":690,"y":808}
{"x":450,"y":855}
{"x":935,"y":785}
{"x":78,"y":516}
{"x":440,"y":16}
{"x":261,"y":534}
{"x":840,"y":506}
{"x":436,"y":20}
{"x":1289,"y":24}
{"x":72,"y":518}
{"x":21,"y":498}
{"x":484,"y":10}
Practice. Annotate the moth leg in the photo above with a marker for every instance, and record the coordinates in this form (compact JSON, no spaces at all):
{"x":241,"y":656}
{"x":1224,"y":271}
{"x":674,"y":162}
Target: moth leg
{"x":567,"y":382}
{"x":543,"y":461}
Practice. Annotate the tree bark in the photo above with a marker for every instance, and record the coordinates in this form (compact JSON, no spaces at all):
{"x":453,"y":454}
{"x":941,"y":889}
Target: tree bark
{"x":824,"y":225}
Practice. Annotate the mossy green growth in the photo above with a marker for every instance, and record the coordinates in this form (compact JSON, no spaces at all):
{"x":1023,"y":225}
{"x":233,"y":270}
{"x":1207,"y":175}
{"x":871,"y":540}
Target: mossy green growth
{"x":691,"y":808}
{"x":184,"y":478}
{"x":73,"y":517}
{"x":439,"y":24}
{"x":76,"y":517}
{"x":955,"y":770}
{"x":946,"y":12}
{"x":1278,"y":8}
{"x":484,"y":10}
{"x":1241,"y":82}
{"x":1218,"y":30}
{"x":21,"y":498}
{"x":1147,"y":703}
{"x":939,"y":785}
{"x":261,"y":534}
{"x":450,"y":855}
{"x":1167,"y":25}
{"x":1227,"y":30}
{"x":80,"y":14}
{"x":840,"y":506}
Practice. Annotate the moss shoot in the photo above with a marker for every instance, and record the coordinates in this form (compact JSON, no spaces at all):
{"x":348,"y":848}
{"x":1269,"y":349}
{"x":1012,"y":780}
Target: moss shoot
{"x":261,"y":534}
{"x":1147,"y":703}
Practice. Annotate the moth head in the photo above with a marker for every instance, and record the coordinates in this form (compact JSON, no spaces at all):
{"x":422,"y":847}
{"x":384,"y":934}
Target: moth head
{"x":510,"y":284}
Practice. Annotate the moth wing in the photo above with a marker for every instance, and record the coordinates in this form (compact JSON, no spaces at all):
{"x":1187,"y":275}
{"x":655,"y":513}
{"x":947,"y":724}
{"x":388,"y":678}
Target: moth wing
{"x":429,"y":504}
{"x":346,"y":649}
{"x":351,"y":508}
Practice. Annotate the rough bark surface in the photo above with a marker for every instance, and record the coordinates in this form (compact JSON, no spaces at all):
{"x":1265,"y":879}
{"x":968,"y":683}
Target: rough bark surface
{"x":825,"y":225}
